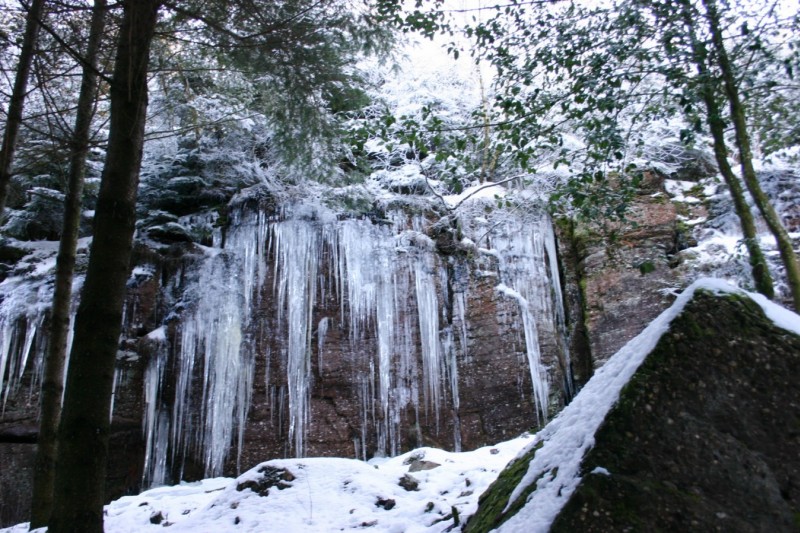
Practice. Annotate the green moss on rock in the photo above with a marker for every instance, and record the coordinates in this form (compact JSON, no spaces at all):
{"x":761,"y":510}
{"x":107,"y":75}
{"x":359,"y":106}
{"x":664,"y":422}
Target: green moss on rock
{"x":492,"y":502}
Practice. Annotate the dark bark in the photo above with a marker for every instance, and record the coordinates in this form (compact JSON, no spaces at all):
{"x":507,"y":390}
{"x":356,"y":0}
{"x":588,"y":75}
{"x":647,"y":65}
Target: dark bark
{"x":739,"y":118}
{"x":17,"y":101}
{"x":84,"y":430}
{"x":54,"y":363}
{"x":758,"y":263}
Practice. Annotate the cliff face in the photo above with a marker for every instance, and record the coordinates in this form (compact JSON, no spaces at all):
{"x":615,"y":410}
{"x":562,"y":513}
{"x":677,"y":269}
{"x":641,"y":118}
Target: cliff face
{"x":300,"y":333}
{"x":703,"y":438}
{"x":629,"y":270}
{"x":355,"y":336}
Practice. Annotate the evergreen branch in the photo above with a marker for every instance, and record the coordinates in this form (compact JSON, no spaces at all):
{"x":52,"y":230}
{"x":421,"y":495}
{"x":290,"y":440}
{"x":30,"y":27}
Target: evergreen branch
{"x":69,"y":49}
{"x":166,"y":134}
{"x":498,"y":7}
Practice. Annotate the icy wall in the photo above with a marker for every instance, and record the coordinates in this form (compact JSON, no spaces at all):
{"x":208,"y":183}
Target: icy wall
{"x":356,"y":330}
{"x":301,"y":333}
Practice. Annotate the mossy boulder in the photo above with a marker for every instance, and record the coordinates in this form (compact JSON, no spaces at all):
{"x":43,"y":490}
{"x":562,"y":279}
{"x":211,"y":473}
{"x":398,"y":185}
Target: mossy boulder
{"x":705,"y":436}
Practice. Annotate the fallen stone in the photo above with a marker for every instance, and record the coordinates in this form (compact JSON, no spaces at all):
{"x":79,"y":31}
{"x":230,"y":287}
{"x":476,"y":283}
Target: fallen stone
{"x":418,"y":466}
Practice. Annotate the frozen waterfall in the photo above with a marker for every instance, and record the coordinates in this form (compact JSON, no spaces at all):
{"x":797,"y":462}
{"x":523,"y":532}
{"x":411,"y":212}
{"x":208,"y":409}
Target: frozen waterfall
{"x":25,"y":302}
{"x":262,"y":307}
{"x":391,"y":286}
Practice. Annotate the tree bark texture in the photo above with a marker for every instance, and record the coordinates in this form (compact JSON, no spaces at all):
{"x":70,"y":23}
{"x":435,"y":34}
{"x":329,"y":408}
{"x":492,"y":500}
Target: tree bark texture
{"x":758,"y":263}
{"x":54,"y":363}
{"x":739,"y":118}
{"x":85,"y":426}
{"x":17,"y":101}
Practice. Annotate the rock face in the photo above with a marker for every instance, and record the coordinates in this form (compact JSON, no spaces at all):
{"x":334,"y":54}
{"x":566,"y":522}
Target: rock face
{"x":308,"y":335}
{"x":625,"y":269}
{"x":703,"y":438}
{"x":482,"y":319}
{"x":472,"y":385}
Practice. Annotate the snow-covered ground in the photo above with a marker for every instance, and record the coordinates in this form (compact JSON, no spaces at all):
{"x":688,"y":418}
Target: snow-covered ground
{"x":330,"y":494}
{"x":326,"y":495}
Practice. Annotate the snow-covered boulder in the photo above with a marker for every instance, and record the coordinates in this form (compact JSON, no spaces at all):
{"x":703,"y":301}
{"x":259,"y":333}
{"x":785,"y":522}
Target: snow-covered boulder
{"x":692,"y":426}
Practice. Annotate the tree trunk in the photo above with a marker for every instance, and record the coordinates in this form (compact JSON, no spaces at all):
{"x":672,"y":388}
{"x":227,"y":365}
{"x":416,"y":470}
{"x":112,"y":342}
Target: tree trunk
{"x":52,"y":382}
{"x":17,"y":101}
{"x":85,"y":426}
{"x":758,"y":263}
{"x":738,"y":116}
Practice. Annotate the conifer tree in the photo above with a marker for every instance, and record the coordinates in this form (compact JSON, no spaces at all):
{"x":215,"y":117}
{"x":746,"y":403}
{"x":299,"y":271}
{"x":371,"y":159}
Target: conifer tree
{"x":83,"y":434}
{"x":55,"y":358}
{"x":18,"y":94}
{"x":302,"y":61}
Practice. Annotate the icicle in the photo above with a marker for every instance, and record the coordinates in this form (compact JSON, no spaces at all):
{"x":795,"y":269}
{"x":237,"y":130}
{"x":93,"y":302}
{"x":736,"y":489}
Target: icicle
{"x":558,"y":300}
{"x":156,"y":420}
{"x":357,"y":267}
{"x":381,"y":446}
{"x":160,"y":451}
{"x":297,"y":248}
{"x":366,"y":264}
{"x":281,"y":408}
{"x":451,"y":371}
{"x":428,"y":314}
{"x":520,"y":248}
{"x":322,"y":332}
{"x":371,"y":270}
{"x":386,"y":310}
{"x":114,"y":384}
{"x":538,"y":376}
{"x":181,"y":432}
{"x":5,"y":352}
{"x":460,"y":318}
{"x":70,"y":335}
{"x":212,"y":334}
{"x":151,"y":386}
{"x":449,"y":352}
{"x":364,"y":396}
{"x":30,"y":334}
{"x":24,"y":305}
